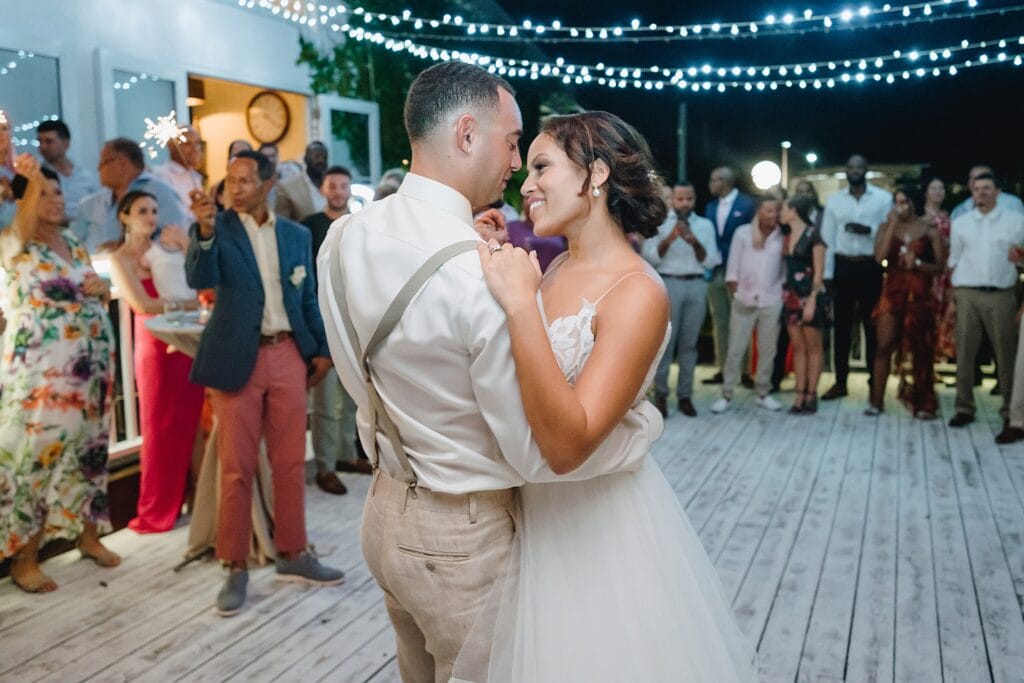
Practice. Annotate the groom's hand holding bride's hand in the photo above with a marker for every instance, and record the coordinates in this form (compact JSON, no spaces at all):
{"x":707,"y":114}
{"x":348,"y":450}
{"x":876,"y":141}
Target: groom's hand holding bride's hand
{"x":512,"y":275}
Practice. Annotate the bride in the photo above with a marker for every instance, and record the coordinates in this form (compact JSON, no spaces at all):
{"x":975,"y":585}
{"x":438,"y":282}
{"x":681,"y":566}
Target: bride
{"x":608,"y":580}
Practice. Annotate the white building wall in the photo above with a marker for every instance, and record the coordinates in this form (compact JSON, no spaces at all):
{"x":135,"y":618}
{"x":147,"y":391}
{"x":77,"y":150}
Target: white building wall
{"x":171,"y":37}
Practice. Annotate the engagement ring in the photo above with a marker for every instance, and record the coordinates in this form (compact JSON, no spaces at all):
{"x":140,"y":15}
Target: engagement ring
{"x":493,"y":249}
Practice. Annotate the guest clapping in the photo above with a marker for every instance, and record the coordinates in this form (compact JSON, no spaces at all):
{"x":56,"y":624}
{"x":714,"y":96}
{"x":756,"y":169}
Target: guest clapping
{"x":913,"y":253}
{"x":57,"y":377}
{"x":806,"y":308}
{"x":755,"y":274}
{"x":147,"y":276}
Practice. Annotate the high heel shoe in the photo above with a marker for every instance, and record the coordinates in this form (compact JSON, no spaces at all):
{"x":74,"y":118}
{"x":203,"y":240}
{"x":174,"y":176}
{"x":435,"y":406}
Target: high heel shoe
{"x":798,"y":405}
{"x":810,"y":404}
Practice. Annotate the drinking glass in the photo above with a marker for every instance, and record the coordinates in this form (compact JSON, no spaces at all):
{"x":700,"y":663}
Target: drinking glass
{"x":174,"y":310}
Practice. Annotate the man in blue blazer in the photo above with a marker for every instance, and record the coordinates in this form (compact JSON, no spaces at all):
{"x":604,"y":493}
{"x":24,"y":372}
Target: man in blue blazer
{"x":262,"y":349}
{"x":729,"y":209}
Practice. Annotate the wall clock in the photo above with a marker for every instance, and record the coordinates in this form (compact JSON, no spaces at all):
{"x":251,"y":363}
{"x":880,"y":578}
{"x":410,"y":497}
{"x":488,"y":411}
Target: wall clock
{"x":268,"y":117}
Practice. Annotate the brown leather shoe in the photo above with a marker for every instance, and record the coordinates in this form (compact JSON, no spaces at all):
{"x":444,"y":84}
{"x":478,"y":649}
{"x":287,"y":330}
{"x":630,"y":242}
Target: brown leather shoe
{"x":661,"y":403}
{"x":686,"y":407}
{"x":329,"y":482}
{"x":1010,"y":435}
{"x":357,"y":466}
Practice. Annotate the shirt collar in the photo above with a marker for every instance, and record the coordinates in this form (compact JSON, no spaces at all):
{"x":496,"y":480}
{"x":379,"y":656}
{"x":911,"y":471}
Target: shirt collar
{"x":731,"y":197}
{"x":250,"y":222}
{"x":868,"y":189}
{"x":994,"y":213}
{"x":437,"y":195}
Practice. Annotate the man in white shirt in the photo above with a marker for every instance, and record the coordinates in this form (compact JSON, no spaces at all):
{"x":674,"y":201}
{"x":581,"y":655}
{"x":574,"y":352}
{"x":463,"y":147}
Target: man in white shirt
{"x":681,"y":251}
{"x":438,"y":525}
{"x":299,"y":196}
{"x":981,"y":243}
{"x":76,"y":181}
{"x":180,"y":172}
{"x":849,"y":226}
{"x":755,"y":275}
{"x":1004,"y":200}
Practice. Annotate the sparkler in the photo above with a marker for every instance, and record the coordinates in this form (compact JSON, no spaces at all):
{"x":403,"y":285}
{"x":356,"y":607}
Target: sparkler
{"x":160,"y":132}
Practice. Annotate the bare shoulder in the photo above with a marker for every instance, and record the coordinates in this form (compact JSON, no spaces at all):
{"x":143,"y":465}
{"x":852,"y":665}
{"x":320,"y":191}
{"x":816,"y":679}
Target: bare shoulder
{"x":639,"y":296}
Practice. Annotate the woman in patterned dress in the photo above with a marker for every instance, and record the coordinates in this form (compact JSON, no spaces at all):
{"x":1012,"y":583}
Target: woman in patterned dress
{"x":55,"y":388}
{"x":905,"y":315}
{"x":805,"y":305}
{"x":942,"y":286}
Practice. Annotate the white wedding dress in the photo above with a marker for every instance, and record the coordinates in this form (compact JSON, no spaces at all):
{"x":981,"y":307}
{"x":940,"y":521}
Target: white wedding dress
{"x":608,"y":581}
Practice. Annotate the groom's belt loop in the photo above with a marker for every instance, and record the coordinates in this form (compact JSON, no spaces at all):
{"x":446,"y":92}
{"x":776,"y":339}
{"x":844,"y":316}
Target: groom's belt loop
{"x":472,"y":508}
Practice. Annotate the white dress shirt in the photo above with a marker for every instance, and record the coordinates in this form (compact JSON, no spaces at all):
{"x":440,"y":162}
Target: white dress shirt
{"x":446,"y":372}
{"x":264,"y":245}
{"x":842,"y":208}
{"x":724,"y":207}
{"x":1004,"y":200}
{"x":758,"y":273}
{"x":979,"y":246}
{"x":680,"y":258}
{"x":183,"y":180}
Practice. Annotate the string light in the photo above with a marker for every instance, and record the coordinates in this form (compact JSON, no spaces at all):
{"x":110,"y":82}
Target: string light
{"x":13,"y":64}
{"x":25,"y":128}
{"x":705,"y":77}
{"x":134,"y":79}
{"x":864,"y":16}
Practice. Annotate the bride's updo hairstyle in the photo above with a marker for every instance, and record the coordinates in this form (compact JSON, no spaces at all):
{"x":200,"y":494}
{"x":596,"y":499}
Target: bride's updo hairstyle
{"x":633,"y":188}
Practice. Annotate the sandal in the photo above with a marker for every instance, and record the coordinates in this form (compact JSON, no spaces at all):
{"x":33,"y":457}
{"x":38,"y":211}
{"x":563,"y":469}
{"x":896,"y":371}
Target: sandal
{"x":810,"y":405}
{"x":798,"y":405}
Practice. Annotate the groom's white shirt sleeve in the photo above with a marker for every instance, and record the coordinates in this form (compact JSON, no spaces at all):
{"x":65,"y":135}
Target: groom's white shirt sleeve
{"x":449,"y":361}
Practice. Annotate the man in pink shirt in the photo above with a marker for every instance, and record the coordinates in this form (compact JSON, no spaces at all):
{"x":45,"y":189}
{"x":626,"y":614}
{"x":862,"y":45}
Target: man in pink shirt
{"x":754,"y":274}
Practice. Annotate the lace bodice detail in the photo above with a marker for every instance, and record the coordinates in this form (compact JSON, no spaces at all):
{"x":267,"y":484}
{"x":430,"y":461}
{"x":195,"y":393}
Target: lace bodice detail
{"x":572,"y":340}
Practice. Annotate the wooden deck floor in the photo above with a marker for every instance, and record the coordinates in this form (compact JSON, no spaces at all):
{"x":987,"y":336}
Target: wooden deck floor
{"x":855,"y":549}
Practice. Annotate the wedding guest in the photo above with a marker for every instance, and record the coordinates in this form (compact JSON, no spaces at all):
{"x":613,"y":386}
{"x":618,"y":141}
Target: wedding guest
{"x":7,"y":172}
{"x":805,"y":305}
{"x":1004,"y":200}
{"x":983,"y":284}
{"x":942,"y":286}
{"x":755,"y":275}
{"x":729,"y":209}
{"x":122,"y":168}
{"x":803,"y":187}
{"x":389,"y":183}
{"x":299,"y":196}
{"x":849,"y":226}
{"x":76,"y":181}
{"x":332,"y":411}
{"x":262,"y":349}
{"x":912,"y":252}
{"x":57,"y":378}
{"x":521,"y":234}
{"x":181,"y":172}
{"x":148,"y":276}
{"x":1014,"y":429}
{"x":237,"y":146}
{"x":681,"y":251}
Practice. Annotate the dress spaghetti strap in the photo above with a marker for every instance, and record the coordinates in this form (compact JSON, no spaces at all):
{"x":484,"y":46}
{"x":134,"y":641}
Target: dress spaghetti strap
{"x":620,"y":280}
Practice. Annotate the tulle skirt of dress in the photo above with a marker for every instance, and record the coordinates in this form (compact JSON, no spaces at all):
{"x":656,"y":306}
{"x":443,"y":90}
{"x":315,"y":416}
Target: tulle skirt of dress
{"x":608,"y":582}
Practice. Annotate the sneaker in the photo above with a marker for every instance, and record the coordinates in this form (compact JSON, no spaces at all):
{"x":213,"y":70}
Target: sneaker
{"x":721,"y":405}
{"x":232,"y":596}
{"x":768,"y":403}
{"x":872,"y":411}
{"x":307,"y":569}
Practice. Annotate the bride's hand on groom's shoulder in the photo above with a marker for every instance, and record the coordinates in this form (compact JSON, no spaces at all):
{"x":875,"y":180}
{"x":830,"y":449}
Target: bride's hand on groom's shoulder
{"x":512,"y":274}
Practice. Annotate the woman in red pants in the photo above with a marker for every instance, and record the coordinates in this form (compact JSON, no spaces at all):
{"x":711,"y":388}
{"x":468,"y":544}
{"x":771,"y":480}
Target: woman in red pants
{"x":169,"y":405}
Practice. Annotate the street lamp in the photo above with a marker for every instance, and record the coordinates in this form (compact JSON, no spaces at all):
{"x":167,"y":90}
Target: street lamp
{"x":812,"y":159}
{"x":766,"y":175}
{"x":786,"y":144}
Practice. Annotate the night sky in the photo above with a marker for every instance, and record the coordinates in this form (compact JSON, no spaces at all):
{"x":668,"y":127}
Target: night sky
{"x":947,"y":122}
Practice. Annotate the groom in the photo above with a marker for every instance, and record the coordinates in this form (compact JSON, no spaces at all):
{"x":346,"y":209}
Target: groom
{"x":451,"y":443}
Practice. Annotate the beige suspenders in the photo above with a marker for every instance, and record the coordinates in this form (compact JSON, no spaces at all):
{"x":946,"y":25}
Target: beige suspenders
{"x":379,"y":418}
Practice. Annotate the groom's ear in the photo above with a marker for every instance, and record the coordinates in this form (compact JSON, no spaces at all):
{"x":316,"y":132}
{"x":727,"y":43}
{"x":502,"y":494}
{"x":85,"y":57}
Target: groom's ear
{"x":466,"y":132}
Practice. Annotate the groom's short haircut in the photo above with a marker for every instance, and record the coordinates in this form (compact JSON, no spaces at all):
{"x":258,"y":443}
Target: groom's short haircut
{"x":444,"y":87}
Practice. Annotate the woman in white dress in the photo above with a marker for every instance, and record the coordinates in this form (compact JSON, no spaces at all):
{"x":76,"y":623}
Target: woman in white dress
{"x":608,"y":581}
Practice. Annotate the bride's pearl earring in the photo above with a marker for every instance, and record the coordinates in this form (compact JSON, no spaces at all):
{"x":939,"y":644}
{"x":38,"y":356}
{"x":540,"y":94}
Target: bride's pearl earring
{"x":597,"y":191}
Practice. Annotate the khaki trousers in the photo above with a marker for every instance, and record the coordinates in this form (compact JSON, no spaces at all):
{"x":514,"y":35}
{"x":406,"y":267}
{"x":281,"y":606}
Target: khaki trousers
{"x":743,"y":320}
{"x":993,"y":312}
{"x":436,"y":557}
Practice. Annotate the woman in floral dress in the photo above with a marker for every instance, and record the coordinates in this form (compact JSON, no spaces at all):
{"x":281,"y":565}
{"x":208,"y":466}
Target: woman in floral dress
{"x":942,"y":287}
{"x":55,"y":388}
